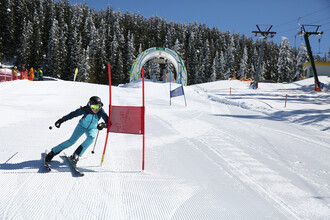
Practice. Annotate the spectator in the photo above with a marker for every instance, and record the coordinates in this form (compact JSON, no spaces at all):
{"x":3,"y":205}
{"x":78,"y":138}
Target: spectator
{"x":40,"y":74}
{"x":31,"y":74}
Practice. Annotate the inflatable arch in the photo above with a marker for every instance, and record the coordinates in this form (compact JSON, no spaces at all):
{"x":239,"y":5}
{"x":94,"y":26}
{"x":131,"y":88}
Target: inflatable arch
{"x":159,"y":52}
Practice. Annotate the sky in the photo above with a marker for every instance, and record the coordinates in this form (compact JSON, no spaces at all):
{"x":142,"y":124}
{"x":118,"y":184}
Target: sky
{"x":238,"y":16}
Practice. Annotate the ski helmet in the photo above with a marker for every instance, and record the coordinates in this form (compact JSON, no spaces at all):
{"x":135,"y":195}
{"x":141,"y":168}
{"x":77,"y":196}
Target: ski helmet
{"x":95,"y":100}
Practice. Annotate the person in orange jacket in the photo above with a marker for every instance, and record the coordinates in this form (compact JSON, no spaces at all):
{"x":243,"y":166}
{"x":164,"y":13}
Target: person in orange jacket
{"x":31,"y":74}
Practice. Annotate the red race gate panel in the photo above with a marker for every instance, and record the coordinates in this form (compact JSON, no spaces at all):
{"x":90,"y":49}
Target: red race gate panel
{"x":127,"y":119}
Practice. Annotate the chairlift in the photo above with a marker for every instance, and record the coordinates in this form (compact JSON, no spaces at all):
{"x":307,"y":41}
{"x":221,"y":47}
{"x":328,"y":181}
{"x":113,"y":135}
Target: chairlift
{"x":319,"y":40}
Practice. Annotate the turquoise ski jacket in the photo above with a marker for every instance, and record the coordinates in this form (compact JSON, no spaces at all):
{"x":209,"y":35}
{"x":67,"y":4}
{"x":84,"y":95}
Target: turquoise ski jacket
{"x":89,"y":121}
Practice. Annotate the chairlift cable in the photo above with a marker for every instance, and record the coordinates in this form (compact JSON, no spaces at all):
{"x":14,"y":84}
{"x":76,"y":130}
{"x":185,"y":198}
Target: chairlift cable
{"x":293,"y":20}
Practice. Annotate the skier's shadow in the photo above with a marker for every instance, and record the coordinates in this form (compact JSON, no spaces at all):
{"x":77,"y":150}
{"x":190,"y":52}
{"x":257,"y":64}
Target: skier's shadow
{"x":27,"y":166}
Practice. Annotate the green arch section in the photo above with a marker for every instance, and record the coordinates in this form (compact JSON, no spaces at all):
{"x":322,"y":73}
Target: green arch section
{"x":159,"y":52}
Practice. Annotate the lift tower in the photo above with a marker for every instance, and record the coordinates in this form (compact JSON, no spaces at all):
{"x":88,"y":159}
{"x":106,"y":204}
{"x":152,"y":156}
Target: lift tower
{"x":318,"y":84}
{"x":264,"y":35}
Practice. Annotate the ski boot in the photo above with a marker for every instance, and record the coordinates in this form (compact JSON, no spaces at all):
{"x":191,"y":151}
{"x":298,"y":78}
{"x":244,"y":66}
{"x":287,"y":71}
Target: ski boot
{"x":74,"y":158}
{"x":49,"y":156}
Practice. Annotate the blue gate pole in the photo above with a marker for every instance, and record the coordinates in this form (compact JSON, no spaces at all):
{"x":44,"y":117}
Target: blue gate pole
{"x":184,"y":95}
{"x":170,"y":86}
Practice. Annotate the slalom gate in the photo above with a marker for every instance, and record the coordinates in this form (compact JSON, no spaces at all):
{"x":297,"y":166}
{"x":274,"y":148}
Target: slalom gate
{"x":126,"y":119}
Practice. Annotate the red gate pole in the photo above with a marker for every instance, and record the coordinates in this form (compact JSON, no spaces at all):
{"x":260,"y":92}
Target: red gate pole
{"x":143,"y":118}
{"x":109,"y":119}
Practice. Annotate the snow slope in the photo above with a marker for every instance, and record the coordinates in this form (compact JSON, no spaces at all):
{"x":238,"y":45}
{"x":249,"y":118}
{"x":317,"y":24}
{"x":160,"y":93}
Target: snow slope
{"x":238,"y":156}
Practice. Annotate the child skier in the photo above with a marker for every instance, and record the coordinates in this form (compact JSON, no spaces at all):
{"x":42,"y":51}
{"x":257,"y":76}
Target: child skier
{"x":88,"y":124}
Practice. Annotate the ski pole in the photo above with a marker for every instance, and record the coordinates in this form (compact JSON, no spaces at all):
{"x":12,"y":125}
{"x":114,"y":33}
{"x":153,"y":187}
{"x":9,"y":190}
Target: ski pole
{"x":95,"y":141}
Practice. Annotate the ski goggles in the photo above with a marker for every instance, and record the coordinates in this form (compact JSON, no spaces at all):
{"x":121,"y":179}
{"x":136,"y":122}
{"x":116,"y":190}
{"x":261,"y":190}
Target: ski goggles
{"x":95,"y":107}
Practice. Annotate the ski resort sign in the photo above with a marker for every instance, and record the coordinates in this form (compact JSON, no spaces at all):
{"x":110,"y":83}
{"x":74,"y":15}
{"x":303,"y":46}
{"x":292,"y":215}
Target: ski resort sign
{"x":159,"y":52}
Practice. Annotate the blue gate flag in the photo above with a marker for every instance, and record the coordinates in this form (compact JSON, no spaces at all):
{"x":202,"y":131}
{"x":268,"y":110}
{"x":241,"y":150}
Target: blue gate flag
{"x":177,"y":92}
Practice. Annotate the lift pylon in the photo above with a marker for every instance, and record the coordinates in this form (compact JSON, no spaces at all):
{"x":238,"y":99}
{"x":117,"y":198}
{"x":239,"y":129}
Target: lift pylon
{"x":261,"y":53}
{"x":306,"y":34}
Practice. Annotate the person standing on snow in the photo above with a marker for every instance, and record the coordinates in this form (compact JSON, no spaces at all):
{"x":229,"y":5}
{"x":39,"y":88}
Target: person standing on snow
{"x":40,"y":74}
{"x":88,"y":125}
{"x":31,"y":74}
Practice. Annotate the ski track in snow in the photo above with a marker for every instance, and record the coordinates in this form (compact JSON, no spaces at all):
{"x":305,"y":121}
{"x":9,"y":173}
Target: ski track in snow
{"x":267,"y":182}
{"x":204,"y":144}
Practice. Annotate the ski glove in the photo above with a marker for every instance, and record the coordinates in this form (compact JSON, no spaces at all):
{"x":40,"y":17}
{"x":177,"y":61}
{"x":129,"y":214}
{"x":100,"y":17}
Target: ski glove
{"x":101,"y":126}
{"x":59,"y":122}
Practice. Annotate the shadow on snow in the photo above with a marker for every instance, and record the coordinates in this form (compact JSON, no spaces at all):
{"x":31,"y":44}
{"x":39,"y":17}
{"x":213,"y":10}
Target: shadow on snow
{"x":307,"y":116}
{"x":27,"y":166}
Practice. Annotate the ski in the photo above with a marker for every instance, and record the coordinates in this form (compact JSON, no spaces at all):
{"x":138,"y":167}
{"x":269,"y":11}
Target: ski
{"x":46,"y":165}
{"x":73,"y":165}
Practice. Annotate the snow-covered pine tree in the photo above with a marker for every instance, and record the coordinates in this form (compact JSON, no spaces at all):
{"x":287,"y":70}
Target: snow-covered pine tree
{"x":63,"y":60}
{"x":285,"y":63}
{"x":214,"y":70}
{"x":77,"y":56}
{"x":25,"y":49}
{"x":191,"y":59}
{"x":182,"y":31}
{"x":6,"y":27}
{"x":169,"y":36}
{"x":84,"y":72}
{"x":262,"y":71}
{"x":88,"y":23}
{"x":130,"y":54}
{"x":229,"y":57}
{"x":200,"y":73}
{"x":120,"y":56}
{"x":53,"y":51}
{"x":243,"y":64}
{"x":99,"y":57}
{"x":70,"y":19}
{"x":204,"y":64}
{"x":270,"y":60}
{"x":158,"y":31}
{"x":216,"y":67}
{"x":168,"y":69}
{"x":140,"y":48}
{"x":302,"y":58}
{"x":178,"y":47}
{"x":223,"y":75}
{"x":18,"y":10}
{"x":254,"y":61}
{"x":49,"y":10}
{"x":93,"y":44}
{"x":206,"y":60}
{"x":76,"y":52}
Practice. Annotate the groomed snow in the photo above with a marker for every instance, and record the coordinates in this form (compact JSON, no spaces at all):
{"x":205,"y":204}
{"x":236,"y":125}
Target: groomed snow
{"x":232,"y":153}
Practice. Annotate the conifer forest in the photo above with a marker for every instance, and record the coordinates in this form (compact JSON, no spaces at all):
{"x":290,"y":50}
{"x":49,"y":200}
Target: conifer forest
{"x":60,"y":37}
